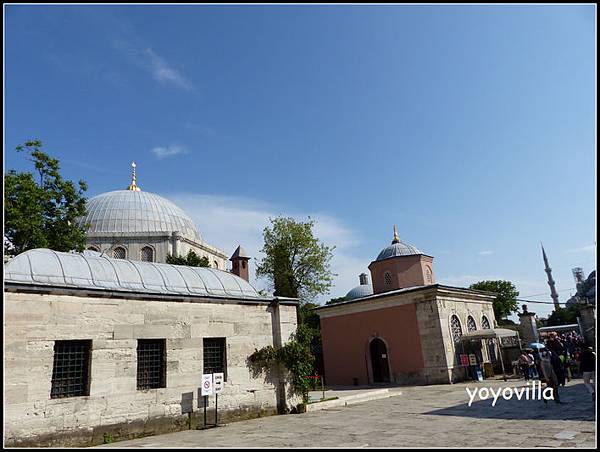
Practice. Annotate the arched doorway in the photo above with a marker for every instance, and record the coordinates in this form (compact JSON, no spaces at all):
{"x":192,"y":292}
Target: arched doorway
{"x":379,"y":361}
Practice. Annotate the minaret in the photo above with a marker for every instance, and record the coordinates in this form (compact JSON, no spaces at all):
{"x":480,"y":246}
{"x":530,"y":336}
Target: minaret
{"x":553,"y":293}
{"x":133,"y":186}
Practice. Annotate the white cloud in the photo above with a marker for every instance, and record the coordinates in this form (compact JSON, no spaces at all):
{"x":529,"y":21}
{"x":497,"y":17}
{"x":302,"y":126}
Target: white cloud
{"x":485,"y":253}
{"x":583,"y":249}
{"x":163,"y":72}
{"x":162,"y":152}
{"x":227,"y":221}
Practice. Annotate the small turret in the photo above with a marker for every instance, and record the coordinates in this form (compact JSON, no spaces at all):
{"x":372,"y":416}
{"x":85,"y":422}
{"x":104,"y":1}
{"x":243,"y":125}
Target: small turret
{"x":239,"y":261}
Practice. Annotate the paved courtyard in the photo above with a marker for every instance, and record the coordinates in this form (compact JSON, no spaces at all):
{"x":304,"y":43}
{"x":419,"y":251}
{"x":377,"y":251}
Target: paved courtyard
{"x":423,"y":416}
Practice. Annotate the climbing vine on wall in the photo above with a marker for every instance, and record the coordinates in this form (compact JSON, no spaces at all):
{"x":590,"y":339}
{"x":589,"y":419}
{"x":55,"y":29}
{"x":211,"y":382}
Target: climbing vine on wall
{"x":294,"y":356}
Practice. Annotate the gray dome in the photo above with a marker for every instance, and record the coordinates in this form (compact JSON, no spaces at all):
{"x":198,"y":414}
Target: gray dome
{"x":397,"y":249}
{"x":364,"y":290}
{"x":92,"y":270}
{"x":129,"y":211}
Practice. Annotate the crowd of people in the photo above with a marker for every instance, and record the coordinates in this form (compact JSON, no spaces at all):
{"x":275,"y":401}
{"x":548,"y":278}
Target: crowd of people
{"x":562,"y":357}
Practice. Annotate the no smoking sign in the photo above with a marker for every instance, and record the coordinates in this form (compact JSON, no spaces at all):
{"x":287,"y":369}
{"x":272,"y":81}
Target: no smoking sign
{"x":207,"y":384}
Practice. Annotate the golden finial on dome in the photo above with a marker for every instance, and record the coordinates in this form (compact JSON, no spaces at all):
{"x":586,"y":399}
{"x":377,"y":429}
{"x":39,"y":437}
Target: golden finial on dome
{"x":133,"y":186}
{"x":396,"y":238}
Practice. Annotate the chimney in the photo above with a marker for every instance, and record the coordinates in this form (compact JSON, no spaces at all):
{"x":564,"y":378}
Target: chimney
{"x":239,"y":261}
{"x":364,"y":279}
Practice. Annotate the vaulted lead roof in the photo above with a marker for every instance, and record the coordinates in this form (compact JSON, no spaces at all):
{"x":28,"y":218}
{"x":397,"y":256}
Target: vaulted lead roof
{"x":95,"y":271}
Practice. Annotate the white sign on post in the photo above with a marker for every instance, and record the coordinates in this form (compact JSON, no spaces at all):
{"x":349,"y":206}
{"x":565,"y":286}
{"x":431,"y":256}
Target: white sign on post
{"x":218,"y":380}
{"x":207,"y":384}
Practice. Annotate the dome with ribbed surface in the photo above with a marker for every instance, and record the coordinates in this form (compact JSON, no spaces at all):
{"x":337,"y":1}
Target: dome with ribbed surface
{"x":397,"y":249}
{"x":130,"y":211}
{"x":364,"y":290}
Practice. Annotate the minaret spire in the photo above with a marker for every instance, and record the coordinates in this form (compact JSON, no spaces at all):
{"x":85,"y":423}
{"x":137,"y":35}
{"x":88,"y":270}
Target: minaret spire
{"x":553,"y":293}
{"x":133,"y":186}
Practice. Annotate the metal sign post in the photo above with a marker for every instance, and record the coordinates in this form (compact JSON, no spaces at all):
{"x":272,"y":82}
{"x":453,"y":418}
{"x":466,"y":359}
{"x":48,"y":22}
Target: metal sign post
{"x":218,"y":380}
{"x":206,"y":390}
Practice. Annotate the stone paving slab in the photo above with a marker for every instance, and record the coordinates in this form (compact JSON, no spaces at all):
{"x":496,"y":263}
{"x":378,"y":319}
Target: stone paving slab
{"x":423,"y":416}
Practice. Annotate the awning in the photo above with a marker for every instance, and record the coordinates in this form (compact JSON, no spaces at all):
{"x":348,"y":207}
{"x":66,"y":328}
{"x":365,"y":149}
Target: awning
{"x":488,"y":333}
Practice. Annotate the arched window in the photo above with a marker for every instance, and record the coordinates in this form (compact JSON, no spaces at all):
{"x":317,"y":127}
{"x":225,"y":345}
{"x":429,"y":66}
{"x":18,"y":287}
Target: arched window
{"x":119,"y":253}
{"x":471,"y":325}
{"x":485,"y":323}
{"x":387,"y":278}
{"x":428,"y":275}
{"x":93,"y":248}
{"x":147,"y":254}
{"x":456,"y":329}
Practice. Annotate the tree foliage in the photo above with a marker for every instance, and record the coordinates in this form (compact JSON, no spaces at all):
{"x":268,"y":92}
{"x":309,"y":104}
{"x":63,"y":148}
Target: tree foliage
{"x":336,"y":300}
{"x":562,"y":316}
{"x":506,"y":296}
{"x":191,"y":260}
{"x":42,"y":213}
{"x":294,"y":356}
{"x":296,"y":263}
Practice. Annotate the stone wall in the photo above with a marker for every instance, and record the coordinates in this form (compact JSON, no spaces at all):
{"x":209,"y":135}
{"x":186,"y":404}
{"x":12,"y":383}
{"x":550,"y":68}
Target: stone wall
{"x":449,"y":305}
{"x":161,"y":245}
{"x":114,"y":406}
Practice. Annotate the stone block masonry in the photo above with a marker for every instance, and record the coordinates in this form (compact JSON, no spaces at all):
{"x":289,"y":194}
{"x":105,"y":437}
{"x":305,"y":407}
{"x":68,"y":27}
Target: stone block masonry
{"x":115,"y":407}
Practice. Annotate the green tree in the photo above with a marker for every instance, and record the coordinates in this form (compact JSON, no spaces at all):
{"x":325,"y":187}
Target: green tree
{"x":506,"y":296}
{"x":296,"y":263}
{"x":42,"y":213}
{"x":562,"y":316}
{"x":336,"y":300}
{"x":191,"y":260}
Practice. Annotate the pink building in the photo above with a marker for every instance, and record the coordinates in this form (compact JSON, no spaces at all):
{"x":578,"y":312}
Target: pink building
{"x":406,"y":329}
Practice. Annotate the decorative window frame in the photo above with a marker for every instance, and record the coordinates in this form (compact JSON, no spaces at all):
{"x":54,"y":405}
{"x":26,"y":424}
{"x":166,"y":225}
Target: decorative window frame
{"x":151,"y":248}
{"x":387,"y":278}
{"x":115,"y":248}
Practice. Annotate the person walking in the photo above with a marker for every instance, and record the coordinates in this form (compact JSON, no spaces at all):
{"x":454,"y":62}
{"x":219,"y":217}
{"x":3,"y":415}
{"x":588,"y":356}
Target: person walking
{"x":532,"y":370}
{"x":558,"y":366}
{"x":588,"y":369}
{"x":524,"y":365}
{"x":549,"y":374}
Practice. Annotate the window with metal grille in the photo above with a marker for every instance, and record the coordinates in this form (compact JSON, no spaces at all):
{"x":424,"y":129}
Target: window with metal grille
{"x":471,"y":325}
{"x":151,"y":364}
{"x":147,"y":254}
{"x":485,"y":323}
{"x":387,"y":278}
{"x":71,"y":369}
{"x":215,"y":356}
{"x":456,"y":329}
{"x":119,"y":253}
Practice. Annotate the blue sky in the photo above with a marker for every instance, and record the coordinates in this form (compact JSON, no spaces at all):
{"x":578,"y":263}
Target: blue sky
{"x":470,"y":127}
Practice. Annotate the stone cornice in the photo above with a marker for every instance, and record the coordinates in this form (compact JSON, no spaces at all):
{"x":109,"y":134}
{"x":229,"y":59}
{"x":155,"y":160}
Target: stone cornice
{"x":43,"y":289}
{"x":403,"y":297}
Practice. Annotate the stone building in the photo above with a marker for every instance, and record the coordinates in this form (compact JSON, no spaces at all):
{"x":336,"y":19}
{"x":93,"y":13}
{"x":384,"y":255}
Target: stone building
{"x":408,"y":330}
{"x":138,"y":225}
{"x":98,"y":348}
